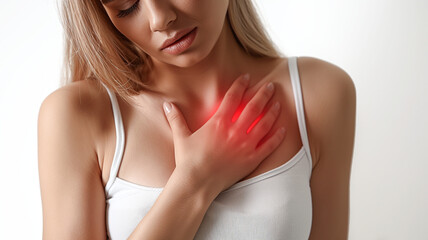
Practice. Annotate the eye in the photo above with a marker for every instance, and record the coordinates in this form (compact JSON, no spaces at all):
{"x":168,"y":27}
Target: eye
{"x":126,"y":12}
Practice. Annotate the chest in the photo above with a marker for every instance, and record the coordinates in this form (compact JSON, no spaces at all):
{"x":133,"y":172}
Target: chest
{"x":148,"y":155}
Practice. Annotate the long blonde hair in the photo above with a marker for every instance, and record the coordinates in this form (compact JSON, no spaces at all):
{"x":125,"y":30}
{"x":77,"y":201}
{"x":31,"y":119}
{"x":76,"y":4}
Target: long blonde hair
{"x":95,"y":49}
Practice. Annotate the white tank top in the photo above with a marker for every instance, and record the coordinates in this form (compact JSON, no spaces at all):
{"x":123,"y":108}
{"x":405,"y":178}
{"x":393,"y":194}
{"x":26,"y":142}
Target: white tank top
{"x":274,"y":205}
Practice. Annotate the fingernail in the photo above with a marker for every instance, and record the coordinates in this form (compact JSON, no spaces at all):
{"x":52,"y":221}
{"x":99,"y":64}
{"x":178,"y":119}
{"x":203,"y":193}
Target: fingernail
{"x":167,"y":107}
{"x":276,"y":106}
{"x":270,"y":87}
{"x":246,"y":78}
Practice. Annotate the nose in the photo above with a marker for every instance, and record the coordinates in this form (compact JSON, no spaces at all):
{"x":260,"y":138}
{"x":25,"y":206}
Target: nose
{"x":161,"y":15}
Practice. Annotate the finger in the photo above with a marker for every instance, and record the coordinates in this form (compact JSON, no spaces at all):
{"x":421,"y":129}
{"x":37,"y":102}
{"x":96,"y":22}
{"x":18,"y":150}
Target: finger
{"x":261,"y":128}
{"x":176,"y":121}
{"x":270,"y":144}
{"x":233,"y":97}
{"x":255,"y":106}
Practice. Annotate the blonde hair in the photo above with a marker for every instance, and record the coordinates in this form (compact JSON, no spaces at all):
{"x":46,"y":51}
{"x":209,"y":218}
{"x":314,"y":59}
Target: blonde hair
{"x":95,"y":49}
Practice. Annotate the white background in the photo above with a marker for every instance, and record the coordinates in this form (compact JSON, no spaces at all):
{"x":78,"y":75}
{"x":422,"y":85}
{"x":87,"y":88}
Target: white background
{"x":383,"y":45}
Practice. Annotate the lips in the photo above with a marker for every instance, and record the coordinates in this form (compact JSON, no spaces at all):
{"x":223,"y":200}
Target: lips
{"x":176,"y":37}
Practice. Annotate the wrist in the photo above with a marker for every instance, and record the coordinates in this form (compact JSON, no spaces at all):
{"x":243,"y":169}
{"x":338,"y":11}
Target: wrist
{"x":195,"y":186}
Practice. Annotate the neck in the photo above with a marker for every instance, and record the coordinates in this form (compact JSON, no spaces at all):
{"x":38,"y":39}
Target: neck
{"x":201,"y":86}
{"x":211,"y":76}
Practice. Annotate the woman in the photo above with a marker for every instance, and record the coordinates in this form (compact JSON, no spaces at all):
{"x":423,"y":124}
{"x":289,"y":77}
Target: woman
{"x":215,"y":163}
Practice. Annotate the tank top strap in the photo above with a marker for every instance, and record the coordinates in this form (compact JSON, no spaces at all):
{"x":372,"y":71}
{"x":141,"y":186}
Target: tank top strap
{"x":298,"y":99}
{"x":120,"y":138}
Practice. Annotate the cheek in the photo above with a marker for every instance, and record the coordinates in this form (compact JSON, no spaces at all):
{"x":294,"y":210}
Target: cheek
{"x":135,"y":29}
{"x":211,"y":10}
{"x":138,"y":31}
{"x":213,"y":17}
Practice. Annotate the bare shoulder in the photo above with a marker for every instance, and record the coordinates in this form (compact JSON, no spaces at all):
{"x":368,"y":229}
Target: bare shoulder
{"x":72,"y":108}
{"x":71,"y":188}
{"x":330,"y":106}
{"x":323,"y":74}
{"x":329,"y":97}
{"x":83,"y":104}
{"x":82,"y":97}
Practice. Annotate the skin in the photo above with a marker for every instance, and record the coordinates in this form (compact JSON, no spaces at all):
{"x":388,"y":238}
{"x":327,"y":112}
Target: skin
{"x":78,"y":120}
{"x":178,"y":79}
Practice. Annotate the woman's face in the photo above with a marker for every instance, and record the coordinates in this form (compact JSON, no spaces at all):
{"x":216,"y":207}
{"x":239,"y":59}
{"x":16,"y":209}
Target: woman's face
{"x":149,"y":23}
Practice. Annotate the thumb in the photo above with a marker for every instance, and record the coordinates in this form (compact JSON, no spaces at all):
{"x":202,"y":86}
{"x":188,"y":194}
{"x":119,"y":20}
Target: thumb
{"x":176,"y":120}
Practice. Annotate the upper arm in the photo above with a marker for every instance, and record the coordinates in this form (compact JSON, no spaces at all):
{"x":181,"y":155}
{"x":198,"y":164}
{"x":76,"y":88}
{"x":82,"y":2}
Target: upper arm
{"x":72,"y":193}
{"x":331,"y":108}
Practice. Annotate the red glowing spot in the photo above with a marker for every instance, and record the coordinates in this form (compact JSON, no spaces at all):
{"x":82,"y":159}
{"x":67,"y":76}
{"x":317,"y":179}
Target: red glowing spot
{"x":238,"y":113}
{"x":255,"y":122}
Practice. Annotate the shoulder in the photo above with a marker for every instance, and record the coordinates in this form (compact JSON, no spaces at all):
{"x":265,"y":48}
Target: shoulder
{"x":328,"y":87}
{"x":75,"y":114}
{"x":325,"y":75}
{"x":329,"y":97}
{"x":69,"y":172}
{"x":79,"y":101}
{"x":78,"y":97}
{"x":330,"y":107}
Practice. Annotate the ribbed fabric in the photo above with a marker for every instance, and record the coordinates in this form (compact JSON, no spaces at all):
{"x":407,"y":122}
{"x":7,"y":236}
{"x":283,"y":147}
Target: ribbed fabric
{"x":274,"y":205}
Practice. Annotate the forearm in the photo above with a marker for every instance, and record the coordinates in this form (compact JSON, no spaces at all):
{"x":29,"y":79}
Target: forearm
{"x":178,"y":211}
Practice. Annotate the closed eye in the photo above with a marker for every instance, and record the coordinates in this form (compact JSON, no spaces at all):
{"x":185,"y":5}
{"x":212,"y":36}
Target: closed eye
{"x":126,"y":12}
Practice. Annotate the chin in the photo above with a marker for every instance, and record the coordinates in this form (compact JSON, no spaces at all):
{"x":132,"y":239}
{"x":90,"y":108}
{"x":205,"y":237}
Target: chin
{"x":186,"y":63}
{"x":187,"y":60}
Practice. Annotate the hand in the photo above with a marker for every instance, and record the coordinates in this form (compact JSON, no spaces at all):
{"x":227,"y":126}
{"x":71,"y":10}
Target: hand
{"x":223,"y":151}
